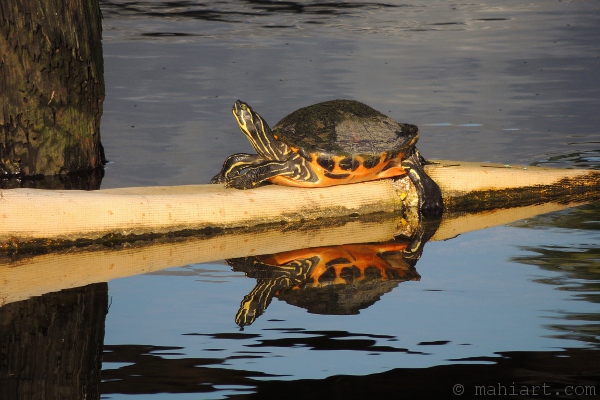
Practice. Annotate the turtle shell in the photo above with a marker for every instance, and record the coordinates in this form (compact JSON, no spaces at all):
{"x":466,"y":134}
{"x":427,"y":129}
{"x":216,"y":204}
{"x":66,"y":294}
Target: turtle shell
{"x":344,"y":128}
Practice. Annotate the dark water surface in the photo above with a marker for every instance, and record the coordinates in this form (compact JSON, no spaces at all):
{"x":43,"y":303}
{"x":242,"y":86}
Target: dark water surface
{"x":501,"y":81}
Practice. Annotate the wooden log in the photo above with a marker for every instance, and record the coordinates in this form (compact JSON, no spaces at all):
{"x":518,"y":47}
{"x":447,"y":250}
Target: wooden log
{"x":39,"y":217}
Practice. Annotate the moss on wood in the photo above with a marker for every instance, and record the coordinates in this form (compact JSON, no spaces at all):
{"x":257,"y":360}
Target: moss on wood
{"x":52,"y":87}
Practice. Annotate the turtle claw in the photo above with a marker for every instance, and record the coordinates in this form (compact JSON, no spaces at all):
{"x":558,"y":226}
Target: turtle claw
{"x":217,"y":179}
{"x":241,"y":182}
{"x":234,"y":165}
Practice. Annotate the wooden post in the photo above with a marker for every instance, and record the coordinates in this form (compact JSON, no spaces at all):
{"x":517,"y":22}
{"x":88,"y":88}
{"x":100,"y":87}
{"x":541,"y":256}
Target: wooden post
{"x":51,"y":87}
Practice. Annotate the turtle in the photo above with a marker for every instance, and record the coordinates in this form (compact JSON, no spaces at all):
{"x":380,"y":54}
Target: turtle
{"x":326,"y":280}
{"x":330,"y":143}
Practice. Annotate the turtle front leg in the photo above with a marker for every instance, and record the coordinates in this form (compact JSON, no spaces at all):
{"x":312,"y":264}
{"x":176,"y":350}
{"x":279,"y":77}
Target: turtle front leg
{"x":255,"y":175}
{"x":430,"y":195}
{"x":234,"y":164}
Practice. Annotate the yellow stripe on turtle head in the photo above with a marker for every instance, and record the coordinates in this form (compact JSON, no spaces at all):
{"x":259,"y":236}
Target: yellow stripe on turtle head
{"x":242,"y":111}
{"x":256,"y":130}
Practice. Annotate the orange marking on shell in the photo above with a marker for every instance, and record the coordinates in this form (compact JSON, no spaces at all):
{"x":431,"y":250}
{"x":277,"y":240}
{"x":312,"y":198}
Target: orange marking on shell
{"x":360,"y":174}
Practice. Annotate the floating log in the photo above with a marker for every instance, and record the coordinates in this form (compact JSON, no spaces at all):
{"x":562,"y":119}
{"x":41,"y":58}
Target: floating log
{"x":31,"y":217}
{"x":26,"y":276}
{"x":471,"y":187}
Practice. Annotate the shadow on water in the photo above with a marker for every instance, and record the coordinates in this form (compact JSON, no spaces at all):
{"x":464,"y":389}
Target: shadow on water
{"x":34,"y":333}
{"x":149,"y":370}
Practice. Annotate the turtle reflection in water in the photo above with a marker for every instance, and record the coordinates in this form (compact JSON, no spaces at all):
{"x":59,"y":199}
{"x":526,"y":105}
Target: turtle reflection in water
{"x":330,"y":143}
{"x":324,"y":280}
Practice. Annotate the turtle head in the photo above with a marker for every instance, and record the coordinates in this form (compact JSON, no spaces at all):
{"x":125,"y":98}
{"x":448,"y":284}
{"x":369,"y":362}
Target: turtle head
{"x":248,"y":120}
{"x":257,"y":131}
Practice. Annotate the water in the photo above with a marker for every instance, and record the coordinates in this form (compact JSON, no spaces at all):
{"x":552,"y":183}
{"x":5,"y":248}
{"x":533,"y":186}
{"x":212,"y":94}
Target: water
{"x":502,"y":81}
{"x":499,"y":81}
{"x":525,"y":295}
